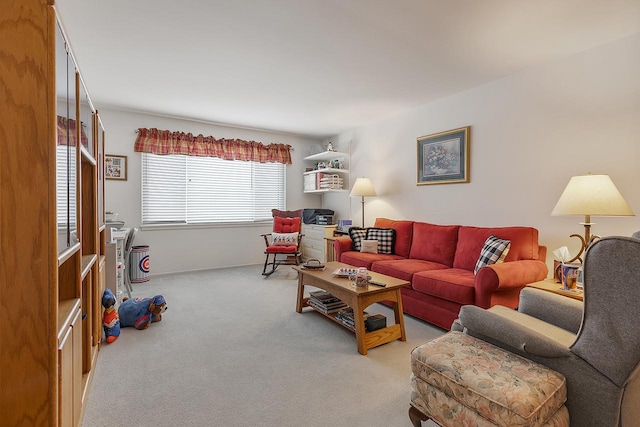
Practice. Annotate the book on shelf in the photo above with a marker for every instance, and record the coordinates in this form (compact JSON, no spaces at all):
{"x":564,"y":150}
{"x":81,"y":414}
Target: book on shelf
{"x":323,"y":296}
{"x":325,"y":309}
{"x":325,"y":302}
{"x":346,"y":317}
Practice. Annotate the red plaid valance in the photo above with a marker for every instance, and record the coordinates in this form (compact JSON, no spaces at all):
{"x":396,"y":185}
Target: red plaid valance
{"x":166,"y":142}
{"x":67,"y":132}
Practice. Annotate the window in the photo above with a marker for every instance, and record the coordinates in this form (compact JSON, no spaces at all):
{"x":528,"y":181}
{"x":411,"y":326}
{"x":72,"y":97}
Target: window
{"x":179,"y":189}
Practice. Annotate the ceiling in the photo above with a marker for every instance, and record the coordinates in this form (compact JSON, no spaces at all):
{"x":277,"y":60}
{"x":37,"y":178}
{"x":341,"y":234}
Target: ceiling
{"x":319,"y":67}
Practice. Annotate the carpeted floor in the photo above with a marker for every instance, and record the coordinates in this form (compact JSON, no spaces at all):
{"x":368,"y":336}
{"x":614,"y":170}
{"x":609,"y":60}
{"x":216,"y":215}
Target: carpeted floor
{"x":232,"y":351}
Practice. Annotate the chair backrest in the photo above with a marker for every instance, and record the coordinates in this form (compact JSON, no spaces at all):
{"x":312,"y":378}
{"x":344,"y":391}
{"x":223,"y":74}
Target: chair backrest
{"x":129,"y":241}
{"x":609,"y":339}
{"x":286,"y":225}
{"x":287,"y":214}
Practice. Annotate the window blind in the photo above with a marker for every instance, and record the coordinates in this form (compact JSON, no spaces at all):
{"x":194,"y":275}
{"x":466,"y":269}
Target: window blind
{"x":180,"y":189}
{"x":66,"y":194}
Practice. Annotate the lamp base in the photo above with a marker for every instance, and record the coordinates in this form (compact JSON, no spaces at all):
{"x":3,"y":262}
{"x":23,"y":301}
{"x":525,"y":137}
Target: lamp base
{"x":583,"y":247}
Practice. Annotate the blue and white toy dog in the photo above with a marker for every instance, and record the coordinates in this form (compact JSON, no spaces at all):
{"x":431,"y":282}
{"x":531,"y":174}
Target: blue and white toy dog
{"x":141,"y":312}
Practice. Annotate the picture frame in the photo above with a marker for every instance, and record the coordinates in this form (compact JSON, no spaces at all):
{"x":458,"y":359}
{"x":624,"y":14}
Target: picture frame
{"x":443,"y":157}
{"x":115,"y":167}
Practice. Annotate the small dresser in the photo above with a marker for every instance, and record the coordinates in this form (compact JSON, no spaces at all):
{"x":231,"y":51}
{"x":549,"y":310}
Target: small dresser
{"x":314,"y":244}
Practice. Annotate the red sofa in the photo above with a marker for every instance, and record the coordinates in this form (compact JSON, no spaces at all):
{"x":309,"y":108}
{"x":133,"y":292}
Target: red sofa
{"x":439,"y":261}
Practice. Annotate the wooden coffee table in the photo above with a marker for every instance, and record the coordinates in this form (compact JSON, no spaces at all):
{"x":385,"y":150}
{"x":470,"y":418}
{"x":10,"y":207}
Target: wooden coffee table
{"x":358,"y":298}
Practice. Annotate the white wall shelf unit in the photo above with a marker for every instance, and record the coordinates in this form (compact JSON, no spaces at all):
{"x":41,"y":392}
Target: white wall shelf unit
{"x":330,"y":178}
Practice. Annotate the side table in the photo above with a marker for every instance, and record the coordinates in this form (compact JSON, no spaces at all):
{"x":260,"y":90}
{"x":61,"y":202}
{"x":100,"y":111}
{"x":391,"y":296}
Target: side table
{"x":551,"y":285}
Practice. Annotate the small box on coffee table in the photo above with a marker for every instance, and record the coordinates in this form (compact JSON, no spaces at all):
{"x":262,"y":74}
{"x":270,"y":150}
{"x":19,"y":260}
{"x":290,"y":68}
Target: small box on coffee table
{"x":375,"y":322}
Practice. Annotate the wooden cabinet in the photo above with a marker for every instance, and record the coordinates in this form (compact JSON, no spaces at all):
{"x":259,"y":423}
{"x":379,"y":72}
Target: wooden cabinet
{"x":70,"y":363}
{"x":329,"y":172}
{"x":314,"y":244}
{"x":51,"y":232}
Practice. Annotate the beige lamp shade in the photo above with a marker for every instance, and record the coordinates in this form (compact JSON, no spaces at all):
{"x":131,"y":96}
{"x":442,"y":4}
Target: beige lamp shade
{"x":363,"y":188}
{"x":592,"y":195}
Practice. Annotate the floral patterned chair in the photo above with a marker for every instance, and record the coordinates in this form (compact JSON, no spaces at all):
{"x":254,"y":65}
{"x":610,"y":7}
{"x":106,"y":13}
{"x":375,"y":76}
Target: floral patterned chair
{"x":596,"y":346}
{"x":459,"y":380}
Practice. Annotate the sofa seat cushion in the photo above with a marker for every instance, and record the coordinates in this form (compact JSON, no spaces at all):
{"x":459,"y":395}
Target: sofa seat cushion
{"x":404,"y":268}
{"x":452,"y":284}
{"x":493,"y":384}
{"x":435,"y":243}
{"x":273,"y":249}
{"x":365,"y":259}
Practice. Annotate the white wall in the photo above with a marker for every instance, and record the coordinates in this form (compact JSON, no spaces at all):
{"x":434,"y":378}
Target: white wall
{"x":530,"y":133}
{"x":182,"y":249}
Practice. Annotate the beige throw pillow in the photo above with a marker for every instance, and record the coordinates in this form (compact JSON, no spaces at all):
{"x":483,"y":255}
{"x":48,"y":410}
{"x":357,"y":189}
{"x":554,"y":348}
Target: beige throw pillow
{"x":370,"y":246}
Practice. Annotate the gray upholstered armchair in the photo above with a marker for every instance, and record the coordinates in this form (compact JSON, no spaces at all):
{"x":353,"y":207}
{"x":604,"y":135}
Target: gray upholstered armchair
{"x":597,"y":349}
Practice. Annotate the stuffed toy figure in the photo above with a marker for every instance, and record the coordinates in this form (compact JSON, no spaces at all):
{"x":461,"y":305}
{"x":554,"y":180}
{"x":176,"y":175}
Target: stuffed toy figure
{"x":110,"y":319}
{"x":141,"y":312}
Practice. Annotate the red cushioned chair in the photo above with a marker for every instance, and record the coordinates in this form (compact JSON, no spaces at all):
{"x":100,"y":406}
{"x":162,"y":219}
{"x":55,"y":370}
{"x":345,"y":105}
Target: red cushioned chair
{"x":283,"y":245}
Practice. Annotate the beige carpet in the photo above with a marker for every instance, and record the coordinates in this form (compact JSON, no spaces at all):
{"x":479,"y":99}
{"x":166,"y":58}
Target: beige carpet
{"x":232,"y":351}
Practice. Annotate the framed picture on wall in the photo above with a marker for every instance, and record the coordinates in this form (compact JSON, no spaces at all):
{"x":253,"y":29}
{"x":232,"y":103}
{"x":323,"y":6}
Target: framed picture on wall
{"x":443,"y":158}
{"x":115,"y":167}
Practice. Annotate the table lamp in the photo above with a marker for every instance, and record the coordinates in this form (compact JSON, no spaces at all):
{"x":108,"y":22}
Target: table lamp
{"x":591,"y":195}
{"x":363,"y":188}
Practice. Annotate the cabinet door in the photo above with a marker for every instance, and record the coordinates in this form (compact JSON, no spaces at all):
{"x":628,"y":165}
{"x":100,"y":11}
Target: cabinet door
{"x":76,"y":332}
{"x":65,"y":379}
{"x":70,"y":373}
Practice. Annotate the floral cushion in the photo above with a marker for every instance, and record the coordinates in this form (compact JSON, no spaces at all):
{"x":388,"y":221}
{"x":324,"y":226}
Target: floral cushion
{"x":498,"y":386}
{"x":447,"y":412}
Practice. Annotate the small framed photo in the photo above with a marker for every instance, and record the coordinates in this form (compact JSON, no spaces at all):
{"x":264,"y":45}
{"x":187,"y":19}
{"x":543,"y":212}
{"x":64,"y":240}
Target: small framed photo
{"x":115,"y":167}
{"x":443,"y":158}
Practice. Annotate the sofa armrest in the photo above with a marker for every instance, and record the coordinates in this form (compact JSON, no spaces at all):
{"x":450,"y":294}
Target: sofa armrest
{"x":509,"y":328}
{"x":341,"y":244}
{"x":542,"y":252}
{"x":513,"y":275}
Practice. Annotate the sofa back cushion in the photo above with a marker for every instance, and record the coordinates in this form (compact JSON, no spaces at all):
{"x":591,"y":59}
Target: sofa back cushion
{"x":435,"y":243}
{"x":524,"y":244}
{"x":404,"y":232}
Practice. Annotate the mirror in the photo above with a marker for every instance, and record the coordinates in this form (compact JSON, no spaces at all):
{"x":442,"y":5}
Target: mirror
{"x":100,"y":159}
{"x":86,"y":120}
{"x":66,"y":154}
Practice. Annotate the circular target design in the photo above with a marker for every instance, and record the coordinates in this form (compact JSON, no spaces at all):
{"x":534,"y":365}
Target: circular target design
{"x":144,"y":264}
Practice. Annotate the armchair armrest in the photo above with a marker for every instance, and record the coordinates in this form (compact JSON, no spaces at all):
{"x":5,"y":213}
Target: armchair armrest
{"x":506,"y":327}
{"x":341,"y":244}
{"x":556,"y":309}
{"x":507,"y":275}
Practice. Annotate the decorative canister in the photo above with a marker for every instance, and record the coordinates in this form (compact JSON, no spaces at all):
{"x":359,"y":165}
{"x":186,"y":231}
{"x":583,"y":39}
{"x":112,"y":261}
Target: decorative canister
{"x":362,"y":277}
